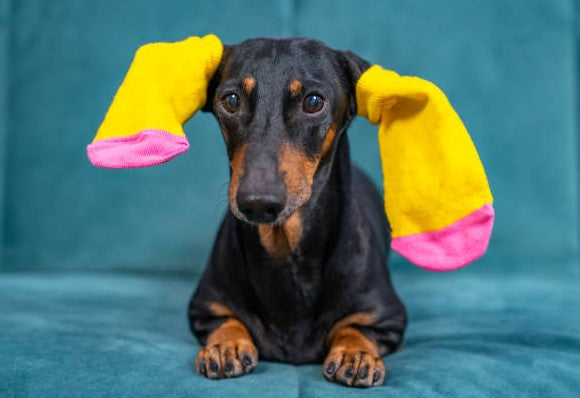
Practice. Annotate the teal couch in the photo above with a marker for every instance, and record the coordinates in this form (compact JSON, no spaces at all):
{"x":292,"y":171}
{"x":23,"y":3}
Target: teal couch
{"x":97,"y":266}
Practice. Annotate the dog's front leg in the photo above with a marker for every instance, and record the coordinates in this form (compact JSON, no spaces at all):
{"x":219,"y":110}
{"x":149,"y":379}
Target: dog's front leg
{"x":229,"y":352}
{"x":353,"y":359}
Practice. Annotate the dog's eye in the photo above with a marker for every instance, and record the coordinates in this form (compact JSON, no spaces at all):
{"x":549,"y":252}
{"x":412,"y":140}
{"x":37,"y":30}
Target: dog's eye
{"x":231,"y":102}
{"x":313,"y":103}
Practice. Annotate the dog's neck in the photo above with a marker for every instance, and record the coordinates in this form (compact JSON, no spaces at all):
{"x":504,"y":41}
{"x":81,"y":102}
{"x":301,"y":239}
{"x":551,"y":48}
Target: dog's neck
{"x":306,"y":233}
{"x":286,"y":285}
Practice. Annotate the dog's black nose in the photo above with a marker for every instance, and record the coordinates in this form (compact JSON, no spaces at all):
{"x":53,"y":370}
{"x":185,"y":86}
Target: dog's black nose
{"x":260,"y":209}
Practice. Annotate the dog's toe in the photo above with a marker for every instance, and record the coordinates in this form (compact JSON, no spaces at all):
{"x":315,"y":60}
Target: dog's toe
{"x":347,"y":372}
{"x":226,"y":360}
{"x":371,"y":372}
{"x":208,"y":362}
{"x":358,"y":369}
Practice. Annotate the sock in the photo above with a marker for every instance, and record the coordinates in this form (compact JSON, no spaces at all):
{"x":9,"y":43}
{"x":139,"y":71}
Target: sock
{"x":165,"y":85}
{"x":437,"y":196}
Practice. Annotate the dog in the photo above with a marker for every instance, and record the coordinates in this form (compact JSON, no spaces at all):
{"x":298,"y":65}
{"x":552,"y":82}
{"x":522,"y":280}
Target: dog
{"x":298,"y":270}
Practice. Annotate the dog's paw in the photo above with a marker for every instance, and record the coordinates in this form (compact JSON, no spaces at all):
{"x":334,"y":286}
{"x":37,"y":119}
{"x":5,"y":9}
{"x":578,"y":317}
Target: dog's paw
{"x":227,"y":359}
{"x":354,"y":368}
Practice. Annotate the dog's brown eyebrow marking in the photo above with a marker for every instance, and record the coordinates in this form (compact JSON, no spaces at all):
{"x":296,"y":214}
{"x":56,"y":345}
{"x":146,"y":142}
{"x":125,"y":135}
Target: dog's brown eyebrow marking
{"x":220,"y":310}
{"x":295,"y":86}
{"x":248,"y":84}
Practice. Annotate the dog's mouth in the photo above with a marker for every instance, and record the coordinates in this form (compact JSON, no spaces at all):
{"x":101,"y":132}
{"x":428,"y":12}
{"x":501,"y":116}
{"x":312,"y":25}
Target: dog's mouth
{"x":265,"y":213}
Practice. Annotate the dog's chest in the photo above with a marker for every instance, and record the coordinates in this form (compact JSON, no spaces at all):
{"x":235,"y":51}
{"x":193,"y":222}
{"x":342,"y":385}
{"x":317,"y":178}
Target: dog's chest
{"x":290,"y":298}
{"x":289,"y":292}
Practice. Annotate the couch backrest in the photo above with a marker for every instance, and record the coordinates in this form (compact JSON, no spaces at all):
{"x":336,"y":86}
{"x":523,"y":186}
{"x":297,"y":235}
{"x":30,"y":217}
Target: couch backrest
{"x":4,"y":56}
{"x":508,"y":68}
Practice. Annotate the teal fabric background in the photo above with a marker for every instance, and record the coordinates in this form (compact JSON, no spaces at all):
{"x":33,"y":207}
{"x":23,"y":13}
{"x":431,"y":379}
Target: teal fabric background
{"x":4,"y":71}
{"x":96,"y":266}
{"x":509,"y":69}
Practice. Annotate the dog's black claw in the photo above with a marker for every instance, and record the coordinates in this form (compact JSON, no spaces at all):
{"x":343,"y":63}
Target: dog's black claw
{"x":247,"y":360}
{"x":229,"y":366}
{"x":201,"y":369}
{"x":349,"y":372}
{"x":376,"y":375}
{"x":213,"y":366}
{"x":330,"y":368}
{"x":363,"y":372}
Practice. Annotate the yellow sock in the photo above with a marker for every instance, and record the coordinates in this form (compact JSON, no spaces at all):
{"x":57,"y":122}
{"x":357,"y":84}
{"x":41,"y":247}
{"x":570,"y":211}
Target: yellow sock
{"x":165,"y":85}
{"x":437,"y":197}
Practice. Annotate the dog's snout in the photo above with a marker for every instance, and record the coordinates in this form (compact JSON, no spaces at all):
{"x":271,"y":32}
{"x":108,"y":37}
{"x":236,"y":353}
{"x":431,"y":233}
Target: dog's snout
{"x":260,"y":208}
{"x":261,"y":194}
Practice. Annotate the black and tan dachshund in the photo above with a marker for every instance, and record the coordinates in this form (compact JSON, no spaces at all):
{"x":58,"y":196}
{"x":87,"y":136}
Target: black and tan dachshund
{"x":298,"y":270}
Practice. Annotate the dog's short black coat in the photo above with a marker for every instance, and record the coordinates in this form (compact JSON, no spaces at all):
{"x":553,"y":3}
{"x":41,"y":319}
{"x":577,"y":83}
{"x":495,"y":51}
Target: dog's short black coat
{"x":289,"y":163}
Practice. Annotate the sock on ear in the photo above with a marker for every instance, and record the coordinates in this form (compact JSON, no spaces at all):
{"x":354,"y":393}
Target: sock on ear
{"x":437,"y":196}
{"x":165,"y":85}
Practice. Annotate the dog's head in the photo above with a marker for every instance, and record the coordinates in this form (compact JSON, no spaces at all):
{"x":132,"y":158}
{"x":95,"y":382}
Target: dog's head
{"x":281,"y":105}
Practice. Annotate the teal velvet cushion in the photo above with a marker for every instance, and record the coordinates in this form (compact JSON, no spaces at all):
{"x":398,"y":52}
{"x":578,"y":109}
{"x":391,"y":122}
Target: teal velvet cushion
{"x":472,"y":334}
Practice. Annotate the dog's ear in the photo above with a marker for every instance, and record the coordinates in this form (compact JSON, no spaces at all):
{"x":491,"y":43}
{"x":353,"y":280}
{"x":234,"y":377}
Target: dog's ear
{"x":215,"y":80}
{"x":437,"y":196}
{"x":164,"y":87}
{"x":353,"y":67}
